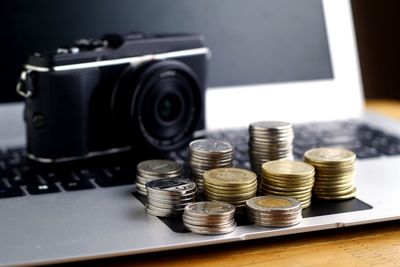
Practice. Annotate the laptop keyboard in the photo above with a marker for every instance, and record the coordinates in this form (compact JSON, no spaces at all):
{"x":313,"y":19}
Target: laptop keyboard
{"x":18,"y":179}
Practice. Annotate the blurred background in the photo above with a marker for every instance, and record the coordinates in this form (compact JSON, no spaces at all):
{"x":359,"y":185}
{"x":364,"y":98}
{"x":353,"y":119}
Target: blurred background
{"x":377,"y":25}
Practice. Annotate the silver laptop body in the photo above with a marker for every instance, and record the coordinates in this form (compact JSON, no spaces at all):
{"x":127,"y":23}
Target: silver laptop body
{"x":107,"y":222}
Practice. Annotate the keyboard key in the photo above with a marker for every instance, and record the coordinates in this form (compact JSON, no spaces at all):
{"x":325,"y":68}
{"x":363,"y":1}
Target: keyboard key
{"x":52,"y":177}
{"x":390,"y":149}
{"x":6,"y":191}
{"x":43,"y":188}
{"x":4,"y":173}
{"x":128,"y":172}
{"x":11,"y":192}
{"x":19,"y":179}
{"x":77,"y":185}
{"x":368,"y":152}
{"x":116,"y":177}
{"x":5,"y":157}
{"x":113,"y":181}
{"x":18,"y":162}
{"x":20,"y":151}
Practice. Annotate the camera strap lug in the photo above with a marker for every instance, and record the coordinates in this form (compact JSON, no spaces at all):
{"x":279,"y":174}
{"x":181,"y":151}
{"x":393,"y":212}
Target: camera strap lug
{"x":24,"y":85}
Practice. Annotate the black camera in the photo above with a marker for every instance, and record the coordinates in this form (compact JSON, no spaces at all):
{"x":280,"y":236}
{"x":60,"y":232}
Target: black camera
{"x":134,"y":92}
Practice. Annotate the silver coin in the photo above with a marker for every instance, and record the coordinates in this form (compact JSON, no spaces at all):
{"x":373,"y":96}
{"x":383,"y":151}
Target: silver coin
{"x":171,"y":186}
{"x":211,"y":146}
{"x":206,"y":222}
{"x":259,"y":137}
{"x":163,"y":214}
{"x":223,"y":226}
{"x":206,"y":219}
{"x":171,"y":196}
{"x":278,"y":125}
{"x":210,"y":230}
{"x":171,"y":202}
{"x":206,"y":166}
{"x":291,"y":220}
{"x":274,"y":224}
{"x":179,"y":206}
{"x":158,"y":167}
{"x":211,"y":157}
{"x":207,"y":208}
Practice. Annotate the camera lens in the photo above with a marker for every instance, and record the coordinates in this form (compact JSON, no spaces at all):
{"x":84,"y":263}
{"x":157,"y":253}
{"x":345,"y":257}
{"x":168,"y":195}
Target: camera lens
{"x":160,"y":102}
{"x":169,"y":107}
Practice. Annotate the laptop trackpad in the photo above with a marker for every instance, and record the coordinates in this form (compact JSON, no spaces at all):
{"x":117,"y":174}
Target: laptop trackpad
{"x":317,"y":208}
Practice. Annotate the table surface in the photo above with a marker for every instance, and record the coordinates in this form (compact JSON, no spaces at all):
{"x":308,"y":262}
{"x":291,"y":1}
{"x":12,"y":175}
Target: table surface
{"x":377,"y":244}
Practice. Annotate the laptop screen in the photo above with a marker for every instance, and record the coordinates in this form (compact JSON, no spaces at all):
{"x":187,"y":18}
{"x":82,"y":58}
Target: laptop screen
{"x":252,"y":42}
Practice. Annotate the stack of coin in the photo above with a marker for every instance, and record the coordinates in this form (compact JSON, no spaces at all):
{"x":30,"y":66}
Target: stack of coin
{"x":209,"y":218}
{"x":288,"y":178}
{"x":230,"y":185}
{"x":334,"y":172}
{"x":167,"y":197}
{"x":274,"y":211}
{"x":269,"y":140}
{"x":155,"y":169}
{"x":206,"y":154}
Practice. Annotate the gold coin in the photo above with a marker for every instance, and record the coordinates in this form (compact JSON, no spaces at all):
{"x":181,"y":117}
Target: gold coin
{"x":287,"y":168}
{"x":232,"y":193}
{"x":306,"y":204}
{"x":352,"y":194}
{"x":226,"y":191}
{"x":299,"y":179}
{"x":229,"y":177}
{"x":331,"y":188}
{"x":334,"y":169}
{"x":239,"y":203}
{"x":328,"y":192}
{"x":237,"y":187}
{"x":333,"y":177}
{"x":300,"y":199}
{"x":303,"y":194}
{"x":230,"y":198}
{"x":329,"y":155}
{"x":285,"y":188}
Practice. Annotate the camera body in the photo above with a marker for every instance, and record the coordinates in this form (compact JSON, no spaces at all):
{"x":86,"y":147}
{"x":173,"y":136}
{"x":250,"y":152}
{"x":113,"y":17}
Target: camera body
{"x":135,"y":92}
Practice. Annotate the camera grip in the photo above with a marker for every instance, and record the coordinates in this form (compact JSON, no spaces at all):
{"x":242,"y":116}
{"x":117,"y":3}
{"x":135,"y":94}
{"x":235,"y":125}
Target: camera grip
{"x":57,"y":114}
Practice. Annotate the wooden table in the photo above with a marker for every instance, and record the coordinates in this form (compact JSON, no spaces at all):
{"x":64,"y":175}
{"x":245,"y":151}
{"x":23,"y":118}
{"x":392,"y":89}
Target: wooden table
{"x":377,"y":245}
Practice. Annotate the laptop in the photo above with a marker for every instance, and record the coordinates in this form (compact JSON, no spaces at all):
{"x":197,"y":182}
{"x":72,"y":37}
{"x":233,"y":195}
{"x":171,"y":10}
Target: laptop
{"x":272,"y":60}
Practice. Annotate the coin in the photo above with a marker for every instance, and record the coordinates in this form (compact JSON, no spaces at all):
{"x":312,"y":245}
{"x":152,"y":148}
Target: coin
{"x":269,"y":140}
{"x":211,"y":146}
{"x":154,"y":169}
{"x":231,"y":185}
{"x":207,"y":208}
{"x":206,"y":154}
{"x":335,"y":169}
{"x":288,"y":168}
{"x":231,"y":190}
{"x":274,"y":211}
{"x":270,"y":125}
{"x":329,"y":156}
{"x":168,"y":197}
{"x":171,"y":186}
{"x":288,"y":178}
{"x":273,"y":203}
{"x":209,"y":217}
{"x":159,"y":167}
{"x":349,"y":195}
{"x":229,"y":176}
{"x":211,"y":230}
